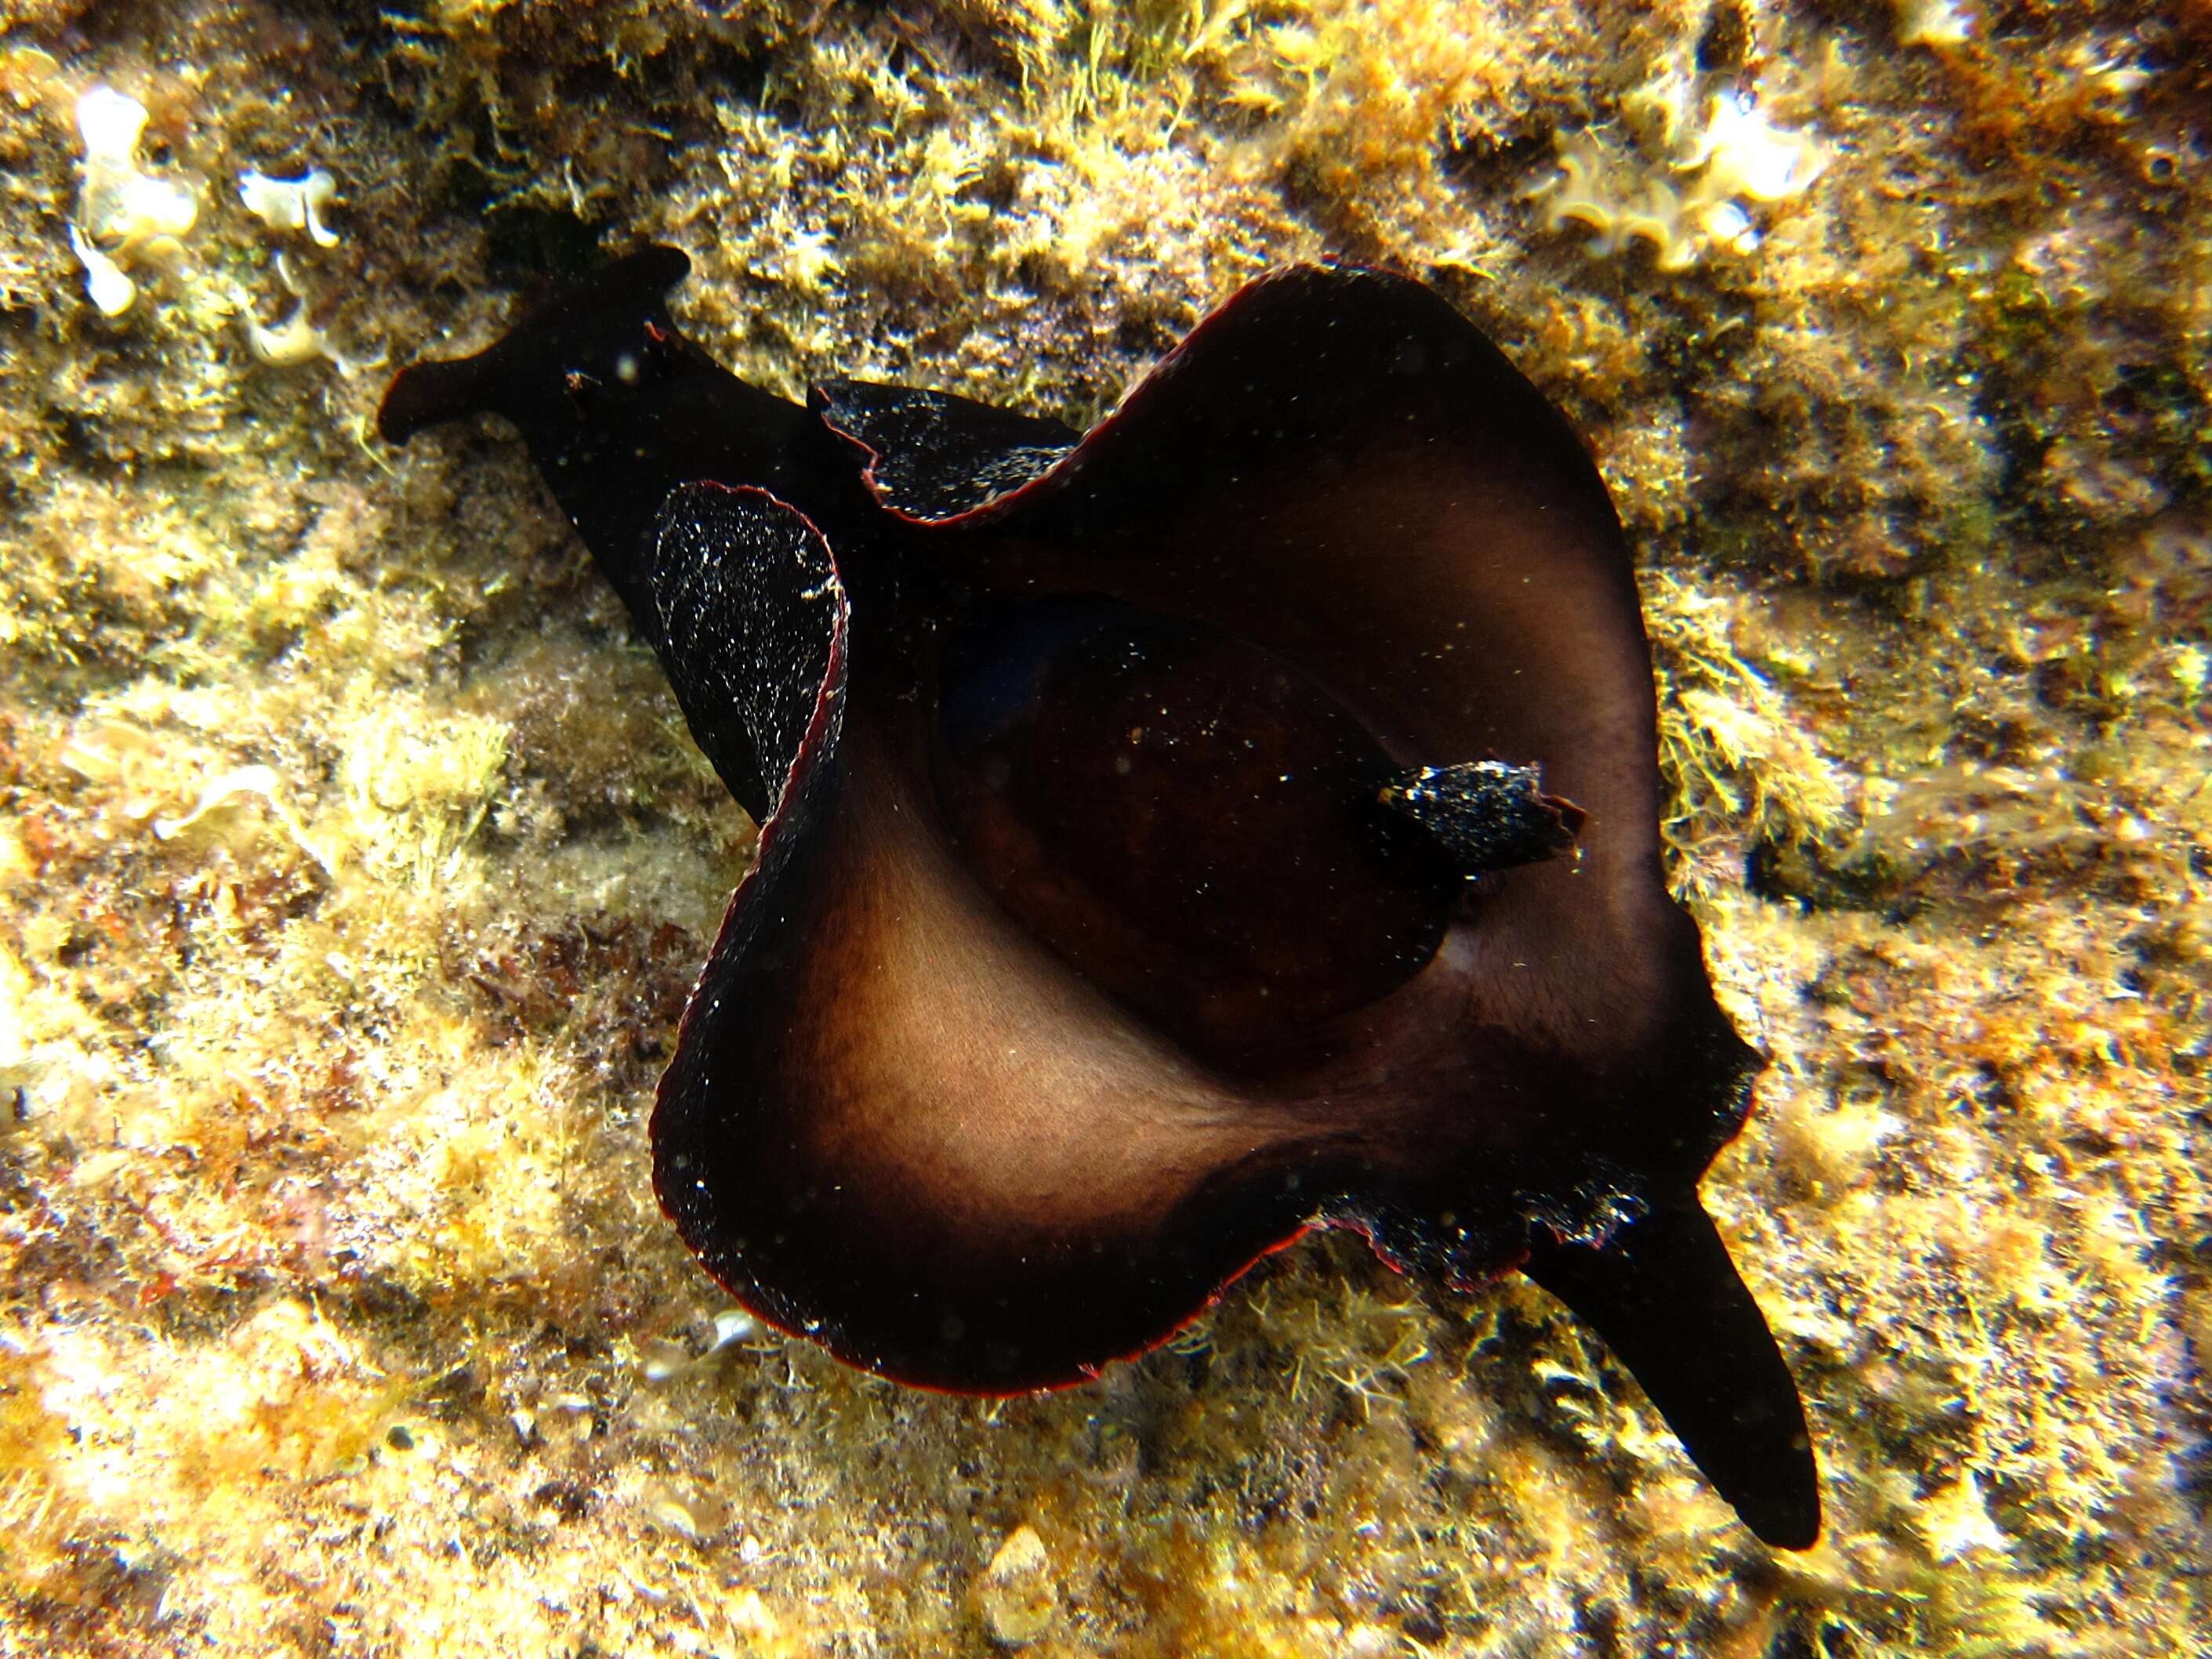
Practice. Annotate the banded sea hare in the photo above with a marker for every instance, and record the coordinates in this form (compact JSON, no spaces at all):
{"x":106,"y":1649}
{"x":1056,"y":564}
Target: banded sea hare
{"x":1155,"y":860}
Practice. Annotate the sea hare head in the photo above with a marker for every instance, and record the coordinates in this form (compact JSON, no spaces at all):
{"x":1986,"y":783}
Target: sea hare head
{"x":1240,"y":818}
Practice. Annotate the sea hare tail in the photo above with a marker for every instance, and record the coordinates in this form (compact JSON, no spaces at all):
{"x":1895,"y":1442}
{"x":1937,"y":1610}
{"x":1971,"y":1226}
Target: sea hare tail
{"x":1663,"y":1294}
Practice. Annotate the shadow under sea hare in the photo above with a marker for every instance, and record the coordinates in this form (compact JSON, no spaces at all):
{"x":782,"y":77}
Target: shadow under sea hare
{"x":1153,"y":861}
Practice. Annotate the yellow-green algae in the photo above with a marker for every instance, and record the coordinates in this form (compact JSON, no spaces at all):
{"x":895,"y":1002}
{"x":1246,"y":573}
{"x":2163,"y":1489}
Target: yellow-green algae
{"x":353,"y":866}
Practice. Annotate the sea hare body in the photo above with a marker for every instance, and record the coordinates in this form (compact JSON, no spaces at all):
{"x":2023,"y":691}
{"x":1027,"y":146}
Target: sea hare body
{"x":1239,"y":817}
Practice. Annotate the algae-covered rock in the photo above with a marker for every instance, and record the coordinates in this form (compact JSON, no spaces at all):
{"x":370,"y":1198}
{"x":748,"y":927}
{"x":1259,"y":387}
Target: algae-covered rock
{"x":353,"y":866}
